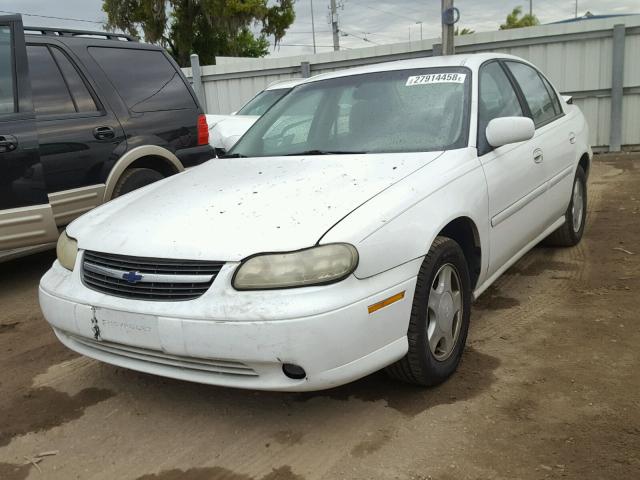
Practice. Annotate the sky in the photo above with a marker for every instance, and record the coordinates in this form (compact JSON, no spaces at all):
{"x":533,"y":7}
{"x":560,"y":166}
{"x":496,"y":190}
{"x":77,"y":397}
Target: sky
{"x":363,"y":23}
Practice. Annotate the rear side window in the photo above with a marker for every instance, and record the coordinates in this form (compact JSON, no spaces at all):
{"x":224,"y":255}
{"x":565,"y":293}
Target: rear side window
{"x":49,"y":90}
{"x":82,"y":98}
{"x":7,"y":104}
{"x":144,"y":79}
{"x":535,"y":93}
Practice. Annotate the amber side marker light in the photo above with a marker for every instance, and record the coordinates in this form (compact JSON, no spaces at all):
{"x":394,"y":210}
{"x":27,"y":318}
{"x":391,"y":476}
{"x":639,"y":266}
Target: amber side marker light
{"x":386,"y":302}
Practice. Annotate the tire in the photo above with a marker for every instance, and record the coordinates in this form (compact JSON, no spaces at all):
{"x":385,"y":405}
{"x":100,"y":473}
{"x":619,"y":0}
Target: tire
{"x":134,"y":178}
{"x":425,"y":365}
{"x":567,"y":235}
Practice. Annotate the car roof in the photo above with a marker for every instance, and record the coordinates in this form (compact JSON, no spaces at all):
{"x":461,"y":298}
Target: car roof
{"x":472,"y":61}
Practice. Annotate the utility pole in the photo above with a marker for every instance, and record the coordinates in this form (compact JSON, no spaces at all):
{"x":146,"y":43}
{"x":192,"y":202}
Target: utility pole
{"x":420,"y":30}
{"x":576,"y":8}
{"x":530,"y":7}
{"x":313,"y":28}
{"x":447,"y":29}
{"x":334,"y":26}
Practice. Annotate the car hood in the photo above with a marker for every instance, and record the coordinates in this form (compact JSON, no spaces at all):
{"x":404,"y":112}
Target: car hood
{"x":225,"y":130}
{"x":228,"y":209}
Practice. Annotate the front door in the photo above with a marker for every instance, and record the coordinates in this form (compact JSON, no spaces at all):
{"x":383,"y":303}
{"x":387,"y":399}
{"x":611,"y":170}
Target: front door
{"x":516,"y":180}
{"x":25,"y":215}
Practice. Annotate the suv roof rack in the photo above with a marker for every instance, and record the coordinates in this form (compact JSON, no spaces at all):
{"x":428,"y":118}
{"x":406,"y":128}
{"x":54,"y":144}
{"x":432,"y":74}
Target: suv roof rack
{"x":65,"y":32}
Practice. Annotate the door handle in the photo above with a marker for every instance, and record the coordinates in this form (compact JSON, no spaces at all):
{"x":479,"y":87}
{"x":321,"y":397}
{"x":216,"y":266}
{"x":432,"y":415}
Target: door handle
{"x":104,"y":133}
{"x":572,"y":137}
{"x":538,"y":156}
{"x":8,"y":143}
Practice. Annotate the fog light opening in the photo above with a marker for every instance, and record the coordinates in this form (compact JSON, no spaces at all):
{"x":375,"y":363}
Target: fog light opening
{"x":293,"y":371}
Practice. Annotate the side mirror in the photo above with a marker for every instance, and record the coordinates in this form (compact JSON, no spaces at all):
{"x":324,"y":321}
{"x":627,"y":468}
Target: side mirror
{"x":504,"y":130}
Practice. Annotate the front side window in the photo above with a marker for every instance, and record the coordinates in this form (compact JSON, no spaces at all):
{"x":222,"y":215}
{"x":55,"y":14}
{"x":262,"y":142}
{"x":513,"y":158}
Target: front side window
{"x":496,"y":99}
{"x":414,"y":110}
{"x":49,"y":90}
{"x":535,"y":93}
{"x":263,"y":101}
{"x":7,"y":103}
{"x":145,"y":79}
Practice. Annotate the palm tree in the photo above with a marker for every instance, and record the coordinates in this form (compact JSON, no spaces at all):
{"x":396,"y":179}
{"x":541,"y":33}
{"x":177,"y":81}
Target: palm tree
{"x":464,"y":31}
{"x":514,"y":20}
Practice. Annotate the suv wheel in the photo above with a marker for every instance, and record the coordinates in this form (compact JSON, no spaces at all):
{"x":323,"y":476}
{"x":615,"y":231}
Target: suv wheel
{"x":134,"y":178}
{"x":439,"y":317}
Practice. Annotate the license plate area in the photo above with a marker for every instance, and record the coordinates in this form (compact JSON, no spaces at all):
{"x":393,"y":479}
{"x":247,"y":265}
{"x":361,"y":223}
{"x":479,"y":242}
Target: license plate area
{"x":127,"y":328}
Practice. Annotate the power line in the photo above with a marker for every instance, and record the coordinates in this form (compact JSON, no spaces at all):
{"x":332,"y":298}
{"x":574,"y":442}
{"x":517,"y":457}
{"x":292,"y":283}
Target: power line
{"x":386,"y":12}
{"x":53,"y":18}
{"x":364,"y":39}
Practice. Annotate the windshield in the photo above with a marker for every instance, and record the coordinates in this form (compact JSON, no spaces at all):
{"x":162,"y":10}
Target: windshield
{"x":396,"y":111}
{"x":262,"y":101}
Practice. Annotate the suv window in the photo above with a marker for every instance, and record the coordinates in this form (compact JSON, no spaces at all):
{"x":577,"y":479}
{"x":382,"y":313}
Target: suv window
{"x":145,"y":79}
{"x":7,"y":104}
{"x":82,"y":98}
{"x":497,"y":99}
{"x":49,"y":90}
{"x":535,"y":93}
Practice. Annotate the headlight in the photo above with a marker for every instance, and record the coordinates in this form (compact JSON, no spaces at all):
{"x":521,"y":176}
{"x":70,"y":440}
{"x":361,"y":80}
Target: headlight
{"x":312,"y":266}
{"x":67,"y":251}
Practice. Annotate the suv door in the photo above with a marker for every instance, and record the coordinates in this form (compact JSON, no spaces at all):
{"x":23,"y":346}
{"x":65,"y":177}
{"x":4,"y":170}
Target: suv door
{"x":515,"y":181}
{"x":79,"y":135}
{"x":25,"y":214}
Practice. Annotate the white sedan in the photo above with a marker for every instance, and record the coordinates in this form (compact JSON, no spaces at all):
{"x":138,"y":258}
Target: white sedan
{"x":348,"y":231}
{"x":226,"y":130}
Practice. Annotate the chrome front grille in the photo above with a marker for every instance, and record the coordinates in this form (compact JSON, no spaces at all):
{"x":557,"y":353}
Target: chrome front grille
{"x":224,"y":367}
{"x":148,"y":278}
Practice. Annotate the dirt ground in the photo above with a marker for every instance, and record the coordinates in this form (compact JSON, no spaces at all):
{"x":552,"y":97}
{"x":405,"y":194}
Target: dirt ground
{"x":549,"y":387}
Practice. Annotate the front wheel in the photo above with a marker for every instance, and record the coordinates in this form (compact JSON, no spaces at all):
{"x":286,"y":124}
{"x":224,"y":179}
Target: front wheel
{"x":439,"y":317}
{"x":570,"y":233}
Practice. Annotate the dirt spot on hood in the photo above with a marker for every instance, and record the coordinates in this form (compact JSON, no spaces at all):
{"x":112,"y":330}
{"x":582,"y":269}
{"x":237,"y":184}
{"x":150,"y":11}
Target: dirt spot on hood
{"x":44,"y":408}
{"x":11,"y":471}
{"x":475,"y":374}
{"x":219,"y":473}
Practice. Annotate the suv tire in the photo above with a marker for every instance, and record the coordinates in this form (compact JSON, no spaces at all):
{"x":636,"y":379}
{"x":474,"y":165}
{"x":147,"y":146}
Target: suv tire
{"x":135,"y":178}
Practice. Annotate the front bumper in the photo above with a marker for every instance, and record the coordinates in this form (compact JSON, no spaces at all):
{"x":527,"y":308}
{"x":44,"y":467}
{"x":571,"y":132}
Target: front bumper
{"x":239,"y":339}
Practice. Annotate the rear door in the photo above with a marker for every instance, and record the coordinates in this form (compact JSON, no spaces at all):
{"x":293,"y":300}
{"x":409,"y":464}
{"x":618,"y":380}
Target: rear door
{"x":79,"y":135}
{"x":25,"y":215}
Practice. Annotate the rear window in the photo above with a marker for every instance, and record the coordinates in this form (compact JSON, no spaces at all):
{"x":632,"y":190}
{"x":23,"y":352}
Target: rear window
{"x":144,"y":79}
{"x":262,"y":101}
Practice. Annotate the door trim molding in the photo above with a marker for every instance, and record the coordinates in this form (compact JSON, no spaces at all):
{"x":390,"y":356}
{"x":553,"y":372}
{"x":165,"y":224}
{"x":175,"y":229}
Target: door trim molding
{"x":67,"y":205}
{"x":518,"y":205}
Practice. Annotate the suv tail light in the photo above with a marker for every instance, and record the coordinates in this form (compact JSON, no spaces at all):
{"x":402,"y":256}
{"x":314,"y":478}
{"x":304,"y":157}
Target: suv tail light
{"x":203,"y":130}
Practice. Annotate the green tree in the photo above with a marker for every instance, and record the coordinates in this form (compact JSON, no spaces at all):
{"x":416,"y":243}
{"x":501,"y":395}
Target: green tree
{"x":209,"y":28}
{"x":463,"y":31}
{"x":514,"y":20}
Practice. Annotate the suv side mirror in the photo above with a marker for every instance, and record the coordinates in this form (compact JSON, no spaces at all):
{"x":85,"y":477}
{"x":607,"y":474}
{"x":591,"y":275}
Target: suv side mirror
{"x":504,"y":130}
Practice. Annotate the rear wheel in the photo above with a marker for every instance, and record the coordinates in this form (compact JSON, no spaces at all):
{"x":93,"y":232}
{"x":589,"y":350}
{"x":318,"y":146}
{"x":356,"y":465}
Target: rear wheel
{"x":570,"y":233}
{"x":439,"y":317}
{"x":135,"y":178}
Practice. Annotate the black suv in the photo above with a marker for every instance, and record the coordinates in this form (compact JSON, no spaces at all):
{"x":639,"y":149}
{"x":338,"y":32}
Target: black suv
{"x":85,"y":117}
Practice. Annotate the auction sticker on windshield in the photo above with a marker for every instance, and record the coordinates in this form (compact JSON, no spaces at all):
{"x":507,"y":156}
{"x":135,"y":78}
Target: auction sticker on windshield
{"x":436,"y":78}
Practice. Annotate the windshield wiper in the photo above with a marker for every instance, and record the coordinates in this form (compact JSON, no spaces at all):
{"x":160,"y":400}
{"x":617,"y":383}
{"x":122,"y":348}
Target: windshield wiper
{"x":323,"y":152}
{"x":233,"y":155}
